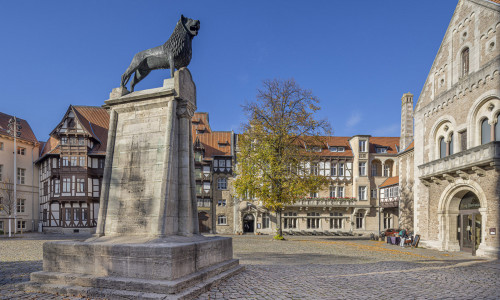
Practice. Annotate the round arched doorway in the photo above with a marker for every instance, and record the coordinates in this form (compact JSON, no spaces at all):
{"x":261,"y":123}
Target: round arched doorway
{"x":248,"y":223}
{"x":469,"y":223}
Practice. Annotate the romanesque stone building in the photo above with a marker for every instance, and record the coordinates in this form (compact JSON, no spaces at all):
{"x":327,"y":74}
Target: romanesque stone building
{"x":26,"y":174}
{"x":71,"y":168}
{"x":457,"y":136}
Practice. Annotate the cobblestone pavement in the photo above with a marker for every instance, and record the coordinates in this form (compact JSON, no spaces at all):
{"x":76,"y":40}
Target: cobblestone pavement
{"x":308,"y":268}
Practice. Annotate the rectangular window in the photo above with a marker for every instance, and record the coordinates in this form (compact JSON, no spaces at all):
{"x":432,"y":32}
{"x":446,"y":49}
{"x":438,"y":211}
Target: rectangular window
{"x":74,"y":161}
{"x":45,"y":188}
{"x":206,"y":170}
{"x":65,"y":161}
{"x":66,"y":188}
{"x":1,"y":146}
{"x":77,"y":214}
{"x":21,"y":205}
{"x":198,"y":156}
{"x":81,"y":141}
{"x":221,"y":202}
{"x":334,"y":169}
{"x":95,"y":187}
{"x":21,"y":150}
{"x":314,"y":169}
{"x":64,"y":140}
{"x":362,"y":192}
{"x":1,"y":172}
{"x":82,"y":161}
{"x":222,"y":183}
{"x":101,"y":163}
{"x":290,"y":220}
{"x":388,"y":221}
{"x":313,"y":194}
{"x":312,"y":220}
{"x":340,"y":191}
{"x":374,"y":169}
{"x":265,"y":220}
{"x":72,"y":141}
{"x":221,"y":220}
{"x":68,"y":214}
{"x":206,"y":187}
{"x":57,"y":186}
{"x":44,"y":215}
{"x":362,"y":169}
{"x":222,"y":163}
{"x":362,"y":146}
{"x":80,"y":185}
{"x":359,"y":220}
{"x":336,"y":220}
{"x":374,"y":193}
{"x":84,"y":214}
{"x":387,"y":171}
{"x":21,"y":173}
{"x":341,"y":169}
{"x":21,"y":225}
{"x":332,"y":191}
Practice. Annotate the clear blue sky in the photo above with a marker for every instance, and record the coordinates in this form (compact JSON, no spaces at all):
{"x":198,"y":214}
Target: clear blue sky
{"x":358,"y":57}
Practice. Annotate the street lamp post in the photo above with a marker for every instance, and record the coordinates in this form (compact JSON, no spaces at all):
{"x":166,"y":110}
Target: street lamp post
{"x":15,"y":130}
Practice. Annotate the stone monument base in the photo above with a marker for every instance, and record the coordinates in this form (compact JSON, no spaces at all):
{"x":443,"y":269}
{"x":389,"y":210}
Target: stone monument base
{"x":174,"y":267}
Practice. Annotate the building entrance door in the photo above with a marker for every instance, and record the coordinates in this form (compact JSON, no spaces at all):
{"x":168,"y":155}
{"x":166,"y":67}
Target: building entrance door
{"x":248,"y":223}
{"x":469,"y":224}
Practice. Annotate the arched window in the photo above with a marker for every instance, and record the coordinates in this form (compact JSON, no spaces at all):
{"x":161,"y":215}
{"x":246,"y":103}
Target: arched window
{"x":497,"y":129}
{"x":442,"y":147}
{"x":451,"y":144}
{"x":465,"y":62}
{"x":485,"y":132}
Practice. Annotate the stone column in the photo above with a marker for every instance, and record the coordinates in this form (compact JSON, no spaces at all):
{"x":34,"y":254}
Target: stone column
{"x":185,"y":111}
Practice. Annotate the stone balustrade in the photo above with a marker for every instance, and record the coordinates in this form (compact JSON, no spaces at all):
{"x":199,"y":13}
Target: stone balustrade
{"x":322,"y":203}
{"x":471,"y":159}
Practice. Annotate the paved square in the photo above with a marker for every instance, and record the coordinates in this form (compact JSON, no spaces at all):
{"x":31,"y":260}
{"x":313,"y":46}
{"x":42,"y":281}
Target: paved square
{"x":307,"y":267}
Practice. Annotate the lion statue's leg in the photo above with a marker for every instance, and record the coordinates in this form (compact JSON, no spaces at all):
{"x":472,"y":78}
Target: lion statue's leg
{"x":138,"y":76}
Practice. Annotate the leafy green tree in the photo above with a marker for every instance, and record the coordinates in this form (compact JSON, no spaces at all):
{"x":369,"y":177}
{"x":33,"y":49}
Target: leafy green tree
{"x":278,"y":149}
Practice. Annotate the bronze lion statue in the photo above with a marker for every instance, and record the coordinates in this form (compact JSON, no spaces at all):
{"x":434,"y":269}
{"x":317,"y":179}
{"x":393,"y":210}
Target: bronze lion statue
{"x":174,"y":54}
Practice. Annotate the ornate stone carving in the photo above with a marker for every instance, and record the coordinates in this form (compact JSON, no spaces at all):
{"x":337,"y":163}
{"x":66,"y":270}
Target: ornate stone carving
{"x":185,"y":109}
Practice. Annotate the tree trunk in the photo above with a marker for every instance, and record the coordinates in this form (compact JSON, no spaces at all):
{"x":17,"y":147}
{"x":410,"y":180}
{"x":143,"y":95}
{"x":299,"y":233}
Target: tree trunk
{"x":280,"y":229}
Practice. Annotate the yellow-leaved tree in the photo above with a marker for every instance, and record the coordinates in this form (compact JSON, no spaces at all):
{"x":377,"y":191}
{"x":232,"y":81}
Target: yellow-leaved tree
{"x":278,"y":146}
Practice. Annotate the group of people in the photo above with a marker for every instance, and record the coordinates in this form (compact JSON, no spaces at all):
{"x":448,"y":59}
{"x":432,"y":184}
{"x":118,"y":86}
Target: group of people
{"x":403,"y":235}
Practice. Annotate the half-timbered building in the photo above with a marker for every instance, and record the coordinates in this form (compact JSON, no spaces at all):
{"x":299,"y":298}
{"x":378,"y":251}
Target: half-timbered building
{"x":71,"y":168}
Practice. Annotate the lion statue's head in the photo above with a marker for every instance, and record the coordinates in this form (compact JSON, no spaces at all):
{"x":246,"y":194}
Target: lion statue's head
{"x":192,"y":26}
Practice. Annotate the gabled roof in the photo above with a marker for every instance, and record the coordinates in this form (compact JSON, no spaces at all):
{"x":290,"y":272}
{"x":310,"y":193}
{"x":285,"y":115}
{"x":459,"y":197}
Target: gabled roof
{"x":26,"y":132}
{"x":390,"y":181}
{"x":336,"y":141}
{"x":215,"y":143}
{"x":95,"y":120}
{"x":389,"y":142}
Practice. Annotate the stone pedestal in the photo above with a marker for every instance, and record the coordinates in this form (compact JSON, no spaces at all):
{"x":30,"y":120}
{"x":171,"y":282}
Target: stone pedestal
{"x":147,"y":243}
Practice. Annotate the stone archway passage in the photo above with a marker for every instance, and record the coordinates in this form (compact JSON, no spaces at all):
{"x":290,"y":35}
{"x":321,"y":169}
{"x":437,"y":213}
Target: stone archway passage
{"x":248,"y":223}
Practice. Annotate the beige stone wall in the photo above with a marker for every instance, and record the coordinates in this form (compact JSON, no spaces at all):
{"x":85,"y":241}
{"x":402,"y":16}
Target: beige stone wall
{"x":27,"y":191}
{"x":228,"y":209}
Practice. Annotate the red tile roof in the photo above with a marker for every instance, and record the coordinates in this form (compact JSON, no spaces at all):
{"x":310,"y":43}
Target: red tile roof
{"x":389,"y":142}
{"x":390,"y":181}
{"x":336,"y":141}
{"x":26,"y":132}
{"x":96,"y":121}
{"x":214,"y":142}
{"x":496,"y":1}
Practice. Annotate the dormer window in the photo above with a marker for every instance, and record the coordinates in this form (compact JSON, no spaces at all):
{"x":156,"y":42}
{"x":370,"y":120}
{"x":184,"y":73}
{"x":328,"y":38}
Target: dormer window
{"x":316,"y":149}
{"x":333,"y":149}
{"x":381,"y":149}
{"x":199,"y":131}
{"x":341,"y":149}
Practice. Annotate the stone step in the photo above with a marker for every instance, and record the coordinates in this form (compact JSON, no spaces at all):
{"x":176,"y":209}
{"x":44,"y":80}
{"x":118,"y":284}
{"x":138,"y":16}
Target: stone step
{"x":131,"y":288}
